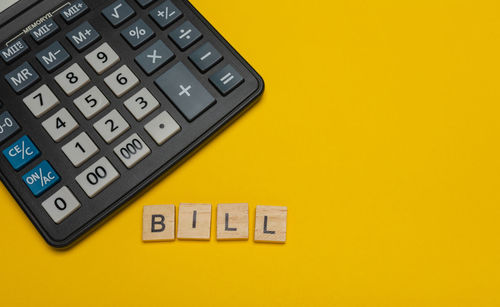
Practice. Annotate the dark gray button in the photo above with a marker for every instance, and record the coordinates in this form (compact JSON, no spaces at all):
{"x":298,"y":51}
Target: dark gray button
{"x":205,"y":57}
{"x":185,"y":35}
{"x":154,"y":57}
{"x":44,"y":30}
{"x":16,"y":49}
{"x":75,"y":10}
{"x":185,"y":91}
{"x":144,"y":3}
{"x":83,"y":36}
{"x":165,"y":14}
{"x":8,"y":126}
{"x":53,"y":56}
{"x":137,"y":33}
{"x":226,"y":79}
{"x":22,"y":77}
{"x":118,"y":12}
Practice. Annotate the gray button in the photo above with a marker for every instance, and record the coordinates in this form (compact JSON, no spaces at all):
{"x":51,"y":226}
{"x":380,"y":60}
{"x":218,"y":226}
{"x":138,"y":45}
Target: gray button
{"x":185,"y":35}
{"x":144,"y":3}
{"x":44,"y":30}
{"x":226,"y":79}
{"x":137,"y":33}
{"x":97,"y":177}
{"x":75,"y":10}
{"x":61,"y":205}
{"x":165,"y":14}
{"x":154,"y":57}
{"x":16,"y":49}
{"x":162,"y":127}
{"x":118,"y":12}
{"x":8,"y":126}
{"x":53,"y":56}
{"x":83,"y":36}
{"x":205,"y":57}
{"x":185,"y":91}
{"x":22,"y":77}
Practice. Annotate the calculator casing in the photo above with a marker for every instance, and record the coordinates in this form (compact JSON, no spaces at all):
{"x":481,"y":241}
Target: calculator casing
{"x":196,"y":133}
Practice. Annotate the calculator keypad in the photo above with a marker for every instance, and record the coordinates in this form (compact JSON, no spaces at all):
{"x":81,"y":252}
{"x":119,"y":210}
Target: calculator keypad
{"x":41,"y":178}
{"x":118,"y":12}
{"x":132,"y":150}
{"x":137,"y":34}
{"x":154,"y":57}
{"x":21,"y":152}
{"x":111,"y":126}
{"x":44,"y":30}
{"x":22,"y":77}
{"x":141,"y":104}
{"x":53,"y":57}
{"x":162,"y":127}
{"x":80,"y":149}
{"x":74,"y":11}
{"x":83,"y":36}
{"x":121,"y":81}
{"x":102,"y":59}
{"x":92,"y":102}
{"x":61,"y":204}
{"x":72,"y":79}
{"x":97,"y":177}
{"x":41,"y":101}
{"x":165,"y":14}
{"x":185,"y":35}
{"x":60,"y":125}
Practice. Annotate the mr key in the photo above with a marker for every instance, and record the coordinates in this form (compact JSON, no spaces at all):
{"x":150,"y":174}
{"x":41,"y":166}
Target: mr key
{"x":101,"y":98}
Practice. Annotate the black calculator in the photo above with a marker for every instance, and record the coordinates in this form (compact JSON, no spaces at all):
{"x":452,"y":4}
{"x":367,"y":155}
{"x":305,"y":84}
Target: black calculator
{"x":100,"y":98}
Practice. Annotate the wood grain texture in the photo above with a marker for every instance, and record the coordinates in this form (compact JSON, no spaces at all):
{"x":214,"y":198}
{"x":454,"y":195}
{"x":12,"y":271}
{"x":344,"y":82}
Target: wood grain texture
{"x":270,"y":224}
{"x":194,"y":221}
{"x":158,"y":223}
{"x":232,"y":222}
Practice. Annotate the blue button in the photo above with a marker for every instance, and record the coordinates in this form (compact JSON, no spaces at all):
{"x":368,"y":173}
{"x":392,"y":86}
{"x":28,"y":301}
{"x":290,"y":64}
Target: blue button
{"x":41,"y":178}
{"x":75,"y":10}
{"x":22,"y":77}
{"x":118,"y":12}
{"x":14,"y":50}
{"x":8,"y":126}
{"x":83,"y":36}
{"x":137,"y":33}
{"x":53,"y":56}
{"x":22,"y":152}
{"x":44,"y":30}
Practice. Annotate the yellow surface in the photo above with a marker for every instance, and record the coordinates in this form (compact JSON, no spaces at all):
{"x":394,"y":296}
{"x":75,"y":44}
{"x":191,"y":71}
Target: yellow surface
{"x":379,"y":129}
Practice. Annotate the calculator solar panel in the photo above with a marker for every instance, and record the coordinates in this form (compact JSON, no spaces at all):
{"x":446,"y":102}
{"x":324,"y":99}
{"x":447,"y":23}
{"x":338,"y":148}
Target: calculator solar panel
{"x":100,"y":98}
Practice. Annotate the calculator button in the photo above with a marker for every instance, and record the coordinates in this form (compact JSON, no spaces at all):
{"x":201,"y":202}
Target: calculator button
{"x":72,"y":79}
{"x":102,"y":59}
{"x":144,"y":3}
{"x":80,"y":149}
{"x":185,"y":35}
{"x":165,"y":14}
{"x":162,"y":127}
{"x":44,"y":30}
{"x":75,"y":10}
{"x":8,"y":126}
{"x":83,"y":36}
{"x":111,"y":126}
{"x":121,"y":81}
{"x":41,"y":178}
{"x":41,"y":101}
{"x":205,"y":57}
{"x":141,"y":104}
{"x":59,"y":125}
{"x":61,"y":205}
{"x":53,"y":56}
{"x":226,"y":79}
{"x":91,"y":102}
{"x":132,"y":150}
{"x":118,"y":12}
{"x":22,"y":77}
{"x":16,"y":49}
{"x":21,"y":152}
{"x":185,"y":91}
{"x":154,"y":57}
{"x":97,"y":177}
{"x":137,"y":33}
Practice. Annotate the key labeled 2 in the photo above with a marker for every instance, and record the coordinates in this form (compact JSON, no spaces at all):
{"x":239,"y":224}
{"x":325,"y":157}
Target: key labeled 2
{"x":132,"y":150}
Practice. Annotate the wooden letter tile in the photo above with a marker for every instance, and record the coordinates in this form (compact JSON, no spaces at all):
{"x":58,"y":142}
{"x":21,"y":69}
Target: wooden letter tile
{"x":158,"y":223}
{"x":270,"y":224}
{"x":232,"y":222}
{"x":194,"y":221}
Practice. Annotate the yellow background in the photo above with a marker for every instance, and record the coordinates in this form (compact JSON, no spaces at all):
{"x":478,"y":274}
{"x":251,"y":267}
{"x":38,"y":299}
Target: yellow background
{"x":378,"y":129}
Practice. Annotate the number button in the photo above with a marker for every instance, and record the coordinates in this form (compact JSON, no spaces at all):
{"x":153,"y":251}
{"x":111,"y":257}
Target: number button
{"x":132,"y":150}
{"x":121,"y":81}
{"x":97,"y":177}
{"x":102,"y":59}
{"x":111,"y":126}
{"x":91,"y":102}
{"x":61,"y":205}
{"x":80,"y":149}
{"x":59,"y":125}
{"x":141,"y":104}
{"x":162,"y":127}
{"x":41,"y":101}
{"x":72,"y":79}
